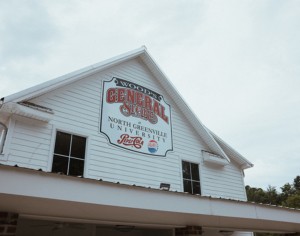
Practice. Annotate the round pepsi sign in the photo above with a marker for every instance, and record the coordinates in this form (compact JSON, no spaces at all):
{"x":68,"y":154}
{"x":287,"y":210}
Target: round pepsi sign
{"x":152,"y":146}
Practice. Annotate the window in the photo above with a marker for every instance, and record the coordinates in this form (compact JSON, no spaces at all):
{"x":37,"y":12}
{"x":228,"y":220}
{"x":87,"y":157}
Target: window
{"x":69,"y":154}
{"x":3,"y":131}
{"x":191,"y":179}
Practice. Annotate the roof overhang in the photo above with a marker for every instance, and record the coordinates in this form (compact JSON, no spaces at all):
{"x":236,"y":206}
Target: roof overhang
{"x":40,"y":194}
{"x":12,"y":108}
{"x":237,"y":157}
{"x":66,"y":79}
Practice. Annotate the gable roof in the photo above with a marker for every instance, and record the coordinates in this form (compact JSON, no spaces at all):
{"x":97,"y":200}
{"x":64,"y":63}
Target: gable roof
{"x":237,"y":157}
{"x":211,"y":141}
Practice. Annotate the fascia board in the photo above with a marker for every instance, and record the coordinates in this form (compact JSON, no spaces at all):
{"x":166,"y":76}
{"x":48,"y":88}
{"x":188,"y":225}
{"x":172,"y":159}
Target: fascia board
{"x":15,"y":108}
{"x":188,"y":112}
{"x":245,"y":163}
{"x":214,"y":159}
{"x":71,"y":77}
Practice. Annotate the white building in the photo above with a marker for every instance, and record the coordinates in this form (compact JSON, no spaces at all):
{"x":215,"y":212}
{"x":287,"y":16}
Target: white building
{"x":113,"y":149}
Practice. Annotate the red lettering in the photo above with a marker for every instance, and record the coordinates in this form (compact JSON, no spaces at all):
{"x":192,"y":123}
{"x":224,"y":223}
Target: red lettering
{"x":163,"y":116}
{"x":156,"y":108}
{"x":137,"y":104}
{"x":139,"y":99}
{"x":121,"y":95}
{"x":130,"y":96}
{"x":125,"y":109}
{"x":148,"y":103}
{"x":111,"y":95}
{"x":126,"y":140}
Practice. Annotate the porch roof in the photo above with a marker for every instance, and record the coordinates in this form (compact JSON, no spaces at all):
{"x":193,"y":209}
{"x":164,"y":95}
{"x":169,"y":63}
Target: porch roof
{"x":43,"y":195}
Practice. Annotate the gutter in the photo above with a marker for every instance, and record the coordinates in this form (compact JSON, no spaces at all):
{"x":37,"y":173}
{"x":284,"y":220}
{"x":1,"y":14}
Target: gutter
{"x":27,"y":110}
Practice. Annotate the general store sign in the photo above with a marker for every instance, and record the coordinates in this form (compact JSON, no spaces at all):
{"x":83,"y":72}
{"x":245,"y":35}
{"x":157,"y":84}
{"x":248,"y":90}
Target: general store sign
{"x":136,"y":118}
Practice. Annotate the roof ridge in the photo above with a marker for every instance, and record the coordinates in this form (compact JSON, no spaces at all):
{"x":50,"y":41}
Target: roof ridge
{"x":50,"y":85}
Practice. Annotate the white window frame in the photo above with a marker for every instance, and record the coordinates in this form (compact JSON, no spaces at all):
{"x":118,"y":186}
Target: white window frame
{"x":72,"y":132}
{"x":200,"y":177}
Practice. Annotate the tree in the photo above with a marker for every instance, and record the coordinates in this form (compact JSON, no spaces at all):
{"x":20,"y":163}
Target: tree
{"x":287,"y":190}
{"x":289,"y":197}
{"x":293,"y":201}
{"x":272,"y":195}
{"x":256,"y":195}
{"x":297,"y":183}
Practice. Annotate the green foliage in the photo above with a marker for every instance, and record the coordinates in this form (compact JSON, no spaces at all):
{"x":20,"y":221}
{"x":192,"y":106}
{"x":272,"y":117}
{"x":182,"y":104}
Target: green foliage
{"x":289,"y":197}
{"x":297,"y":183}
{"x":293,"y":201}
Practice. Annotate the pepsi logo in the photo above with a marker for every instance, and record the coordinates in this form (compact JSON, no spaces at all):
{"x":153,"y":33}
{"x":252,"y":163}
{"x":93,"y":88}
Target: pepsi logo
{"x":152,"y":146}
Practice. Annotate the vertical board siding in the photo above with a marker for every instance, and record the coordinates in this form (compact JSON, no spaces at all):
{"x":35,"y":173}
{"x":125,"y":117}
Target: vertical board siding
{"x":77,"y":108}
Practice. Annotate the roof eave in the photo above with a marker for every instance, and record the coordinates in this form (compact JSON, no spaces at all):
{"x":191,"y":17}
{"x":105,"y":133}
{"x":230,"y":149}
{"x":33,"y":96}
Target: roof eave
{"x":245,"y":164}
{"x":187,"y":111}
{"x":71,"y":77}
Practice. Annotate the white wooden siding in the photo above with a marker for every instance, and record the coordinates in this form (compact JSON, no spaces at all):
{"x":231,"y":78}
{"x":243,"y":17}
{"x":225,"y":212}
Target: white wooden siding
{"x":29,"y":144}
{"x":77,"y":107}
{"x":225,"y":182}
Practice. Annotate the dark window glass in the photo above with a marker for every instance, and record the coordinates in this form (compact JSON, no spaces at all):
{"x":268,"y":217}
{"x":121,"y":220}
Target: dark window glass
{"x":78,"y":147}
{"x":196,"y":187}
{"x":69,"y":154}
{"x":76,"y":167}
{"x":186,"y":173}
{"x":62,"y":143}
{"x":60,"y":164}
{"x":187,"y":186}
{"x":195,"y":171}
{"x":191,"y":178}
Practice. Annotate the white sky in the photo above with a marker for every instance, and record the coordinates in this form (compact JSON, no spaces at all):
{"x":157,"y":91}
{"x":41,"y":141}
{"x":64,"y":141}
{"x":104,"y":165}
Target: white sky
{"x":236,"y":63}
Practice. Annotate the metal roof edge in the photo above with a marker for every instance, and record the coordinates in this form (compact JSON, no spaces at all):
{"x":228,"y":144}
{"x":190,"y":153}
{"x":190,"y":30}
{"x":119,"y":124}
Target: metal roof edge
{"x":40,"y":172}
{"x":246,"y":164}
{"x":192,"y":117}
{"x":71,"y":77}
{"x":142,"y":205}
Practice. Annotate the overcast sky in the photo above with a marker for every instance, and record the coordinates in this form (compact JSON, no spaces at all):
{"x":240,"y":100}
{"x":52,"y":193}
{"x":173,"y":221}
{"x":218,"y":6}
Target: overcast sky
{"x":236,"y":63}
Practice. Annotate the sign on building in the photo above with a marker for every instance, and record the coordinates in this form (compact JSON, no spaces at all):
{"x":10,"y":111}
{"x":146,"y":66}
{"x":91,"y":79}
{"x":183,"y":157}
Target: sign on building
{"x":136,"y":118}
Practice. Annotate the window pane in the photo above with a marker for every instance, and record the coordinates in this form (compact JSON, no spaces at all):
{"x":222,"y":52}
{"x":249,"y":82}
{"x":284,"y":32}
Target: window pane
{"x":78,"y":147}
{"x":195,"y":171}
{"x":186,"y":173}
{"x":60,"y":164}
{"x":187,"y":186}
{"x":62,"y":143}
{"x":76,"y":167}
{"x":196,"y":187}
